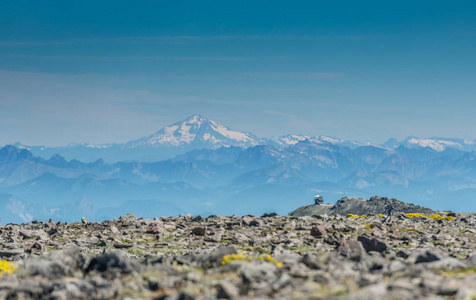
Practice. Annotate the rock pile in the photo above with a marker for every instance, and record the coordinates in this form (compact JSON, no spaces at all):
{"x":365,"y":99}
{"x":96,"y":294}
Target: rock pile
{"x":359,"y":257}
{"x":350,"y":205}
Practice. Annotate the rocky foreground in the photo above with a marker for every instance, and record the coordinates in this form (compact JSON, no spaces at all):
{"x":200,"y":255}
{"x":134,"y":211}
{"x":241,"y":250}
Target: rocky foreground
{"x":322,"y":257}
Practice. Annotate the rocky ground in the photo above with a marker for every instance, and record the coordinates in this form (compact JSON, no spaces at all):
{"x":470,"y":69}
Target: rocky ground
{"x":272,"y":256}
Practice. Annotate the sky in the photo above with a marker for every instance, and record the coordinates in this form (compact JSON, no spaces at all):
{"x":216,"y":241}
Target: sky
{"x":114,"y":71}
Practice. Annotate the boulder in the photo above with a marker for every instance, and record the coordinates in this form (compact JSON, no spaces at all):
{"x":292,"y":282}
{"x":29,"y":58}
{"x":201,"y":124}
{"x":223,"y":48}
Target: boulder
{"x":199,"y":230}
{"x":128,"y":218}
{"x":113,"y":260}
{"x":215,"y":257}
{"x":155,"y":228}
{"x":318,"y":231}
{"x":372,"y":244}
{"x":351,"y":249}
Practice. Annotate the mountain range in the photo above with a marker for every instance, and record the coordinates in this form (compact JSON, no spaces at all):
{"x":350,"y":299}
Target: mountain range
{"x":201,"y":167}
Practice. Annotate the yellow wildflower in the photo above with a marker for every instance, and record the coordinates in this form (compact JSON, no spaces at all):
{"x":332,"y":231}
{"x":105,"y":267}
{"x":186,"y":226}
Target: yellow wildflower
{"x":436,"y":217}
{"x":6,"y":267}
{"x":242,"y":257}
{"x":415,"y":215}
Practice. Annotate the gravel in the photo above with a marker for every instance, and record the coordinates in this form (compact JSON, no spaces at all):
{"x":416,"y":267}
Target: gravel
{"x":268,"y":257}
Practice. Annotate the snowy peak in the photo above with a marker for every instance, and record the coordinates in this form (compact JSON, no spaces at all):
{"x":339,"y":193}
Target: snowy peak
{"x":286,"y":140}
{"x":196,"y":130}
{"x":437,"y":143}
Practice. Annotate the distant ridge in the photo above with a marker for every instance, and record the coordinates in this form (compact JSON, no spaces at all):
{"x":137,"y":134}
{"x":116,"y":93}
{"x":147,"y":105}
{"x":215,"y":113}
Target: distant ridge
{"x":198,"y":132}
{"x":233,"y":180}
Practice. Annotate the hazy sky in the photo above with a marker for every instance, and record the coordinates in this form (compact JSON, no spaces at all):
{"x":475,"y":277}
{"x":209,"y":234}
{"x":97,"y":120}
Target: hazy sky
{"x":113,"y":71}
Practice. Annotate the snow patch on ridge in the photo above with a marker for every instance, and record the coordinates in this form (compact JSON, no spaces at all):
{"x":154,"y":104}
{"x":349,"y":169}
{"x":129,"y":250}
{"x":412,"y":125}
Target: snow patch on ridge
{"x":437,"y":145}
{"x":234,"y":135}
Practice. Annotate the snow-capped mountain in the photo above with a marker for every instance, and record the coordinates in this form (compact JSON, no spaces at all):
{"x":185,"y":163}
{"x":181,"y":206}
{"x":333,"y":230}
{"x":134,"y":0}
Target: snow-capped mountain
{"x":196,"y":131}
{"x":436,"y":143}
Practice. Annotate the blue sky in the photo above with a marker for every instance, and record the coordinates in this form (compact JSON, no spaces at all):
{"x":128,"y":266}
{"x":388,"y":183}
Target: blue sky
{"x":113,"y":71}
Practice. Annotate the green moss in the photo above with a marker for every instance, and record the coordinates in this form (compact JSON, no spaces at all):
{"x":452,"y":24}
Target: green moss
{"x":135,"y":251}
{"x":413,"y":230}
{"x":462,"y":255}
{"x":301,"y":250}
{"x":459,"y":272}
{"x":147,"y":241}
{"x":261,"y":250}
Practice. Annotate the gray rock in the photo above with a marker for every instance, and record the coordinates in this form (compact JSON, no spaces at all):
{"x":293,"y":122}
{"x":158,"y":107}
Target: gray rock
{"x":465,"y":293}
{"x":215,"y":257}
{"x":227,"y":290}
{"x":52,"y":231}
{"x":194,"y":277}
{"x":372,"y":244}
{"x":377,"y":224}
{"x":33,"y":234}
{"x":394,"y":267}
{"x":35,"y":248}
{"x":113,"y":260}
{"x":425,"y":256}
{"x":114,"y":230}
{"x":186,"y":217}
{"x":128,"y":218}
{"x":352,"y":249}
{"x":198,"y":219}
{"x":447,"y":263}
{"x":256,"y":223}
{"x":215,"y":236}
{"x":185,"y":296}
{"x":8,"y":253}
{"x":282,"y":282}
{"x":155,"y":228}
{"x":93,"y":288}
{"x":71,"y":257}
{"x":199,"y":230}
{"x":154,"y":284}
{"x":45,"y":268}
{"x":318,"y":231}
{"x":472,"y":260}
{"x":258,"y":272}
{"x":291,"y":225}
{"x":247,"y":220}
{"x":371,"y":292}
{"x":310,"y":261}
